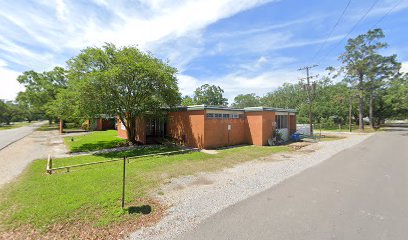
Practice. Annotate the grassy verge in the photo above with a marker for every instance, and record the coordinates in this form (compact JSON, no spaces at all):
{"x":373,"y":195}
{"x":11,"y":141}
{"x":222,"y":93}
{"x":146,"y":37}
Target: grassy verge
{"x":90,"y":196}
{"x":15,"y":125}
{"x":94,"y":141}
{"x":48,"y":127}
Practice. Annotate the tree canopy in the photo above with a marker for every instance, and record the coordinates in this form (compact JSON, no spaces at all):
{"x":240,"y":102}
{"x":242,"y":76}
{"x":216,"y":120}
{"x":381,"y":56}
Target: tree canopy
{"x":41,"y":91}
{"x":123,"y":82}
{"x":210,"y":95}
{"x":246,"y":100}
{"x":363,"y":65}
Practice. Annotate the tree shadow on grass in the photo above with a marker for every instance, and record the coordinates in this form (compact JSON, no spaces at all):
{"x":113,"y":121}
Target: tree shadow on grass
{"x":88,"y":147}
{"x":142,"y":150}
{"x":144,"y":209}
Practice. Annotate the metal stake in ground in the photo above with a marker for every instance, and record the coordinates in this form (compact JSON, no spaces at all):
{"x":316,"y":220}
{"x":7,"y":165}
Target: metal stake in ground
{"x":124,"y":182}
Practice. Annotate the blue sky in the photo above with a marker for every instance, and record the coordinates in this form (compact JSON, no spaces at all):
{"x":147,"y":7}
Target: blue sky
{"x":248,"y":46}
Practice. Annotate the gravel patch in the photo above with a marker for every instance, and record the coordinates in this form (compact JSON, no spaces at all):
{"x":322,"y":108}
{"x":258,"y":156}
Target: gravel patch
{"x":195,"y":198}
{"x":37,"y":145}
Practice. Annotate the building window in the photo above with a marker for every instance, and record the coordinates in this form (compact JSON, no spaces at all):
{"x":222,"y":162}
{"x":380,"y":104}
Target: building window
{"x":224,"y":115}
{"x":281,"y":121}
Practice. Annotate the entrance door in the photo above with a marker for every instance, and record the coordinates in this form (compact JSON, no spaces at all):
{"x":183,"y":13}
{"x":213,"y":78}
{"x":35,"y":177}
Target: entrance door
{"x":155,"y":128}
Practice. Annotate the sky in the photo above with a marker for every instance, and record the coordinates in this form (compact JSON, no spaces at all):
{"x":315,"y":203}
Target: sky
{"x":244,"y":46}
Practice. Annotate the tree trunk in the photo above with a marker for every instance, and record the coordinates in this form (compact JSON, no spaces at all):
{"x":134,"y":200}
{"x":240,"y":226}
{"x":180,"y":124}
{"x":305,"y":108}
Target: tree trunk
{"x":361,"y":101}
{"x":131,"y":130}
{"x":50,"y":121}
{"x":371,"y":115}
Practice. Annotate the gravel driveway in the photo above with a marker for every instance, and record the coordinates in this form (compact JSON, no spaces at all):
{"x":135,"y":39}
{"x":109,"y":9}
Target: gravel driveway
{"x":37,"y":145}
{"x":195,"y":198}
{"x":9,"y":136}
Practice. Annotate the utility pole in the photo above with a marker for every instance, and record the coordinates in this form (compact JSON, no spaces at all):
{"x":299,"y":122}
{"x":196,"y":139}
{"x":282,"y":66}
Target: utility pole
{"x":309,"y":87}
{"x":350,"y":110}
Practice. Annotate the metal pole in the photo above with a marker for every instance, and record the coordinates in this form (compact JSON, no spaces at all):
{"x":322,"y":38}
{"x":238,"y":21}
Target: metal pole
{"x":124,"y":181}
{"x":350,"y":110}
{"x":310,"y":101}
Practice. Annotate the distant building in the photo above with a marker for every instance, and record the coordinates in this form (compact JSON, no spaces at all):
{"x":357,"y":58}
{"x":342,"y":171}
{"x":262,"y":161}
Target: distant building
{"x":203,"y":126}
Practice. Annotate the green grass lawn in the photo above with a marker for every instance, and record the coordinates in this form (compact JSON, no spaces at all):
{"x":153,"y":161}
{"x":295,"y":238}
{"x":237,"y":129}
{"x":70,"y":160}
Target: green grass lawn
{"x":91,"y":195}
{"x":94,"y":141}
{"x":15,"y":125}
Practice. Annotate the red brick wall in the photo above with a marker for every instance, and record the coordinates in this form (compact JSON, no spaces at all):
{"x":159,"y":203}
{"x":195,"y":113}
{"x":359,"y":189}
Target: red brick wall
{"x":254,"y":127}
{"x":268,"y":118}
{"x":192,"y":128}
{"x":108,"y":124}
{"x":216,"y":132}
{"x":99,"y":124}
{"x":187,"y":127}
{"x":140,"y":130}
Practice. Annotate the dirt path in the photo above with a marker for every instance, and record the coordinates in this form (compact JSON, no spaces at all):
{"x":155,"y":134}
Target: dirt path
{"x":15,"y":157}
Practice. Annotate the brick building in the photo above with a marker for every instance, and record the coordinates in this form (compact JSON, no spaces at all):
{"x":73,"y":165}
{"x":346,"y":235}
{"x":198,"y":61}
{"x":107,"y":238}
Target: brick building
{"x":209,"y":127}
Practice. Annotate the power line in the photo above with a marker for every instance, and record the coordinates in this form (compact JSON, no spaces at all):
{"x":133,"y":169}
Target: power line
{"x":332,"y":30}
{"x":387,"y":13}
{"x":352,"y":29}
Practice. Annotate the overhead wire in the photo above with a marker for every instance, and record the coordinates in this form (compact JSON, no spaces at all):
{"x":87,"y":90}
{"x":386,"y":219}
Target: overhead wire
{"x":332,"y":30}
{"x":351,"y":30}
{"x":387,"y":13}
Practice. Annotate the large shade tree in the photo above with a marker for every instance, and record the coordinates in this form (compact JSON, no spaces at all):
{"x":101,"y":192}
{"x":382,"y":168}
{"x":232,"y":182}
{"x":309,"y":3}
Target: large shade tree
{"x":9,"y":112}
{"x":396,"y":97}
{"x":358,"y":63}
{"x":123,"y":82}
{"x":246,"y":100}
{"x":210,"y":95}
{"x":41,"y":90}
{"x":381,"y":70}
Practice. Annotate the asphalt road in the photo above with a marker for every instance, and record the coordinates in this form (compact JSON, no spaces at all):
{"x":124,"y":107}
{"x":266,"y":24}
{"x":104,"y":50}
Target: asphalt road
{"x":9,"y":136}
{"x":360,"y":193}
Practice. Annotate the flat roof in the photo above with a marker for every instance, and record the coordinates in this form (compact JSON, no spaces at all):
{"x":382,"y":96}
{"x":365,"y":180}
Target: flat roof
{"x":204,"y":107}
{"x":269,"y":109}
{"x":247,"y":109}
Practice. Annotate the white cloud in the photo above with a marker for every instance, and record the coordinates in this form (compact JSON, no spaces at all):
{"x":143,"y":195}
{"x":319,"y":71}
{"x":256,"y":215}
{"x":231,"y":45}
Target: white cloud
{"x":187,"y":84}
{"x":404,"y":67}
{"x":40,"y":34}
{"x":240,"y":83}
{"x":9,"y":85}
{"x":61,"y":9}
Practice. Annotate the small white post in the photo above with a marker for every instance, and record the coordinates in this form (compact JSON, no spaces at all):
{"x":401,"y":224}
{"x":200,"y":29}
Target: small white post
{"x":49,"y":164}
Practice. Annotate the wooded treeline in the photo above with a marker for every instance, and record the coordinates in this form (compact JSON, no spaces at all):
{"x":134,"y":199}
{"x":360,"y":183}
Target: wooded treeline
{"x":127,"y":82}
